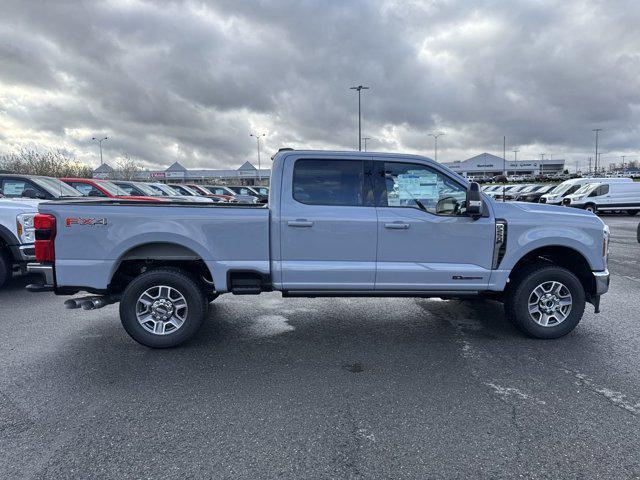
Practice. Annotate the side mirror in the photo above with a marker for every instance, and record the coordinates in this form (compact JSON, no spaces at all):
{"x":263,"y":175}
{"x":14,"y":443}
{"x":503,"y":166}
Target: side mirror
{"x":474,"y":201}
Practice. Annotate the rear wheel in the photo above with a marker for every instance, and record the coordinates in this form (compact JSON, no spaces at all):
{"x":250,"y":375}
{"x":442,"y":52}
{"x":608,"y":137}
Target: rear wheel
{"x":162,"y":308}
{"x":545,"y":301}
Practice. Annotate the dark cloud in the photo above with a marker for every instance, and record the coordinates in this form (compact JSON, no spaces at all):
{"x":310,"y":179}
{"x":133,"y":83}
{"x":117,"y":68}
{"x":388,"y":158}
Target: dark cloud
{"x":169,"y":80}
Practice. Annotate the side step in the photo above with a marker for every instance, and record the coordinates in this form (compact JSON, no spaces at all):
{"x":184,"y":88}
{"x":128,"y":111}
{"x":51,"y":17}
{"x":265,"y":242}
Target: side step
{"x":246,"y":283}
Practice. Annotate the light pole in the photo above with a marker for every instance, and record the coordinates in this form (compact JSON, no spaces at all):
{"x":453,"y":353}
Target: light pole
{"x":100,"y":140}
{"x":257,"y":137}
{"x":365,"y":142}
{"x":435,"y":146}
{"x":597,"y":131}
{"x":542,"y":163}
{"x":359,"y":88}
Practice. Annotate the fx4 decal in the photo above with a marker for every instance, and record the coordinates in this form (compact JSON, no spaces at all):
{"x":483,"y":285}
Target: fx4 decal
{"x":87,"y":222}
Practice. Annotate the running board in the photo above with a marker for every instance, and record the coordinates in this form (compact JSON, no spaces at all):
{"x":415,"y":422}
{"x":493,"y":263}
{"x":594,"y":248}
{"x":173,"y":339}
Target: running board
{"x":381,"y":293}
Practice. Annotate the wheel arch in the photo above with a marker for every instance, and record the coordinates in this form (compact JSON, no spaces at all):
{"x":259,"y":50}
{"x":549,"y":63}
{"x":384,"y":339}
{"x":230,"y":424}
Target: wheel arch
{"x":563,"y":256}
{"x":155,"y":254}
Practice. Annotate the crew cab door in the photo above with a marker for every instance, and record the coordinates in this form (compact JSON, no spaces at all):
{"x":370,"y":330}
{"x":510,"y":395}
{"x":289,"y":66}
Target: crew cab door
{"x":328,"y":225}
{"x":436,"y":249}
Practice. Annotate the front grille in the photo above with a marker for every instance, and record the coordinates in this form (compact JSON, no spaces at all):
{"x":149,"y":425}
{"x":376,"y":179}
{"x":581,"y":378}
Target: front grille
{"x":566,"y":202}
{"x":543,"y":200}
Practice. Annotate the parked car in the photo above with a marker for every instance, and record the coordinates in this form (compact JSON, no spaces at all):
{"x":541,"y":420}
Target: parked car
{"x":606,"y":196}
{"x":201,"y":190}
{"x":534,"y":195}
{"x":568,"y":187}
{"x":224,"y":190}
{"x":145,"y":190}
{"x":34,"y":186}
{"x":330,"y":230}
{"x":17,"y":235}
{"x":516,"y":192}
{"x":166,"y":191}
{"x":249,"y":191}
{"x":509,"y":191}
{"x":186,"y":190}
{"x":90,"y":187}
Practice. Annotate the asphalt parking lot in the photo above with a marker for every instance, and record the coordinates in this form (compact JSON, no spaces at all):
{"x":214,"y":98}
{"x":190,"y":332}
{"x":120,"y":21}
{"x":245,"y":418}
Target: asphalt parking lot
{"x":325,"y":388}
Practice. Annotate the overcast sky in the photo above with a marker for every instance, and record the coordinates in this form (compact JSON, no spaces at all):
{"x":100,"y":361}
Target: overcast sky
{"x":188,"y":81}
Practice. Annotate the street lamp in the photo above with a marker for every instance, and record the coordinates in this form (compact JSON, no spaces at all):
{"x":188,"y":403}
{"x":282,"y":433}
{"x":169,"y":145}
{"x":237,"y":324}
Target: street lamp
{"x":435,"y":148}
{"x":257,"y":137}
{"x":597,"y":131}
{"x":359,"y":88}
{"x":365,"y":142}
{"x":100,"y":140}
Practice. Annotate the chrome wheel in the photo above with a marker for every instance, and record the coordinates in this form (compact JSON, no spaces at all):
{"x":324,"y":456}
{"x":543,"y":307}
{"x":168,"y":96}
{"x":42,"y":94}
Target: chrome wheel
{"x":550,"y":304}
{"x":161,"y":310}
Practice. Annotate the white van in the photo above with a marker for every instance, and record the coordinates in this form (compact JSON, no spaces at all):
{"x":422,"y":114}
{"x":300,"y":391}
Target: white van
{"x":555,"y":196}
{"x":603,"y":196}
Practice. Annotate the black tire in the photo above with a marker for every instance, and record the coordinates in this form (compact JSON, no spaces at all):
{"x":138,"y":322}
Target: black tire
{"x":180,"y":281}
{"x":5,"y":267}
{"x":632,"y":212}
{"x":520,"y":289}
{"x":590,"y":207}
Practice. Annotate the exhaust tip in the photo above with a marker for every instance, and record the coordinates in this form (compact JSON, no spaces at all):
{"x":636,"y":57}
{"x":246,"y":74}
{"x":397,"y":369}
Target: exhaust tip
{"x":71,"y":304}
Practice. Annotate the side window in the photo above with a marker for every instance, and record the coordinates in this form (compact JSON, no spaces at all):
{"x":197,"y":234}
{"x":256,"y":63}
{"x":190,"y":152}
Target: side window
{"x":329,"y":182}
{"x":86,"y":189}
{"x":14,"y":187}
{"x":414,"y":185}
{"x":601,"y":190}
{"x":572,"y":189}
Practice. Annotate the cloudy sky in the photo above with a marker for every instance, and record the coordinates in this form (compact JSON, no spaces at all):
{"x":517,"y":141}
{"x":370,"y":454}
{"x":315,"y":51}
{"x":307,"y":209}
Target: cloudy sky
{"x":188,"y":81}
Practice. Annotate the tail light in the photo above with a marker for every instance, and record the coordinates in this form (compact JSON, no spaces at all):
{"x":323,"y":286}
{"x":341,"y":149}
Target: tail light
{"x":45,"y":226}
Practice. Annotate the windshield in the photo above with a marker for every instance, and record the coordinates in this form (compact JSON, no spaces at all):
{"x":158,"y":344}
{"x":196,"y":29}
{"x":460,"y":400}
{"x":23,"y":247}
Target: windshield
{"x":156,"y":189}
{"x":146,"y":189}
{"x":530,"y":188}
{"x":183,"y":190}
{"x":56,"y":187}
{"x":111,"y":188}
{"x":166,"y":189}
{"x":586,"y":188}
{"x":563,"y":187}
{"x":546,"y":188}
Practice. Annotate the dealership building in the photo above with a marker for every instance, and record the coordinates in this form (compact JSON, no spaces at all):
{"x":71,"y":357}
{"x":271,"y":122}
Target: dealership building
{"x":246,"y":174}
{"x":488,"y":165}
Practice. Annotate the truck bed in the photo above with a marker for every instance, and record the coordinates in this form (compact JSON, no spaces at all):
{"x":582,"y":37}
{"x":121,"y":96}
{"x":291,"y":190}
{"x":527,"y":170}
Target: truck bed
{"x":94,"y":236}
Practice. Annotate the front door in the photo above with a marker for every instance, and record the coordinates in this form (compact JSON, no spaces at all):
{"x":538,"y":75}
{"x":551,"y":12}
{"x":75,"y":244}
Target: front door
{"x":328,"y":225}
{"x":425,"y":242}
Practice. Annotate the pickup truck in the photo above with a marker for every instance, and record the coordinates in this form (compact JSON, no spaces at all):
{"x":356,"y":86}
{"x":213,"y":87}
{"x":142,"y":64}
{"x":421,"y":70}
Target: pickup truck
{"x":17,"y":235}
{"x":337,"y":224}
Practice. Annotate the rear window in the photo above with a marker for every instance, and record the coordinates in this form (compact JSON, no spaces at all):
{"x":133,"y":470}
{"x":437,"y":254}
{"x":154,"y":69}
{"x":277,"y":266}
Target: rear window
{"x":329,"y":182}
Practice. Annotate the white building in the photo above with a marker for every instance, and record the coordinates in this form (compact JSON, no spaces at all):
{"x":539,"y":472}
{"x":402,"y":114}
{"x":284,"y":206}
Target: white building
{"x":488,"y":165}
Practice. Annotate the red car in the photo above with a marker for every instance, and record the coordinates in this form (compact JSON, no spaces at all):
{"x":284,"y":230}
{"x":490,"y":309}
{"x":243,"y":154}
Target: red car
{"x":91,"y":187}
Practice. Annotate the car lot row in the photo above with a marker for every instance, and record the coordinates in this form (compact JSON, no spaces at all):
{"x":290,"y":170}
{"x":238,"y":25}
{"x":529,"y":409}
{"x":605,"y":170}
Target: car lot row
{"x":592,"y":194}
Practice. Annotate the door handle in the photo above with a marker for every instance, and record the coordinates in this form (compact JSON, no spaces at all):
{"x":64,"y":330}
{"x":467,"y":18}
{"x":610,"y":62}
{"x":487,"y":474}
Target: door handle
{"x":300,"y":222}
{"x":397,"y":225}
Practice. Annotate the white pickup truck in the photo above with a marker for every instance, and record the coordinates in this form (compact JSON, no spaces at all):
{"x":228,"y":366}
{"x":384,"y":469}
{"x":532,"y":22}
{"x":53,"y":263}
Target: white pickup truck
{"x":17,"y":236}
{"x":337,"y":224}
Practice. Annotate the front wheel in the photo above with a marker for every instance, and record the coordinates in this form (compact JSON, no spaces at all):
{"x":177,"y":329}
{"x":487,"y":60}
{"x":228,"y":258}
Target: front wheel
{"x":545,"y":301}
{"x":162,"y":308}
{"x":632,"y":212}
{"x":5,"y":268}
{"x":590,"y":207}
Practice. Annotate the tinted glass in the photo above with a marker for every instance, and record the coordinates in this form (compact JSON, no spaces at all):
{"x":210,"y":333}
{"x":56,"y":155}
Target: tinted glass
{"x":329,"y":182}
{"x":406,"y":183}
{"x":86,"y":189}
{"x":15,"y":187}
{"x":56,"y":187}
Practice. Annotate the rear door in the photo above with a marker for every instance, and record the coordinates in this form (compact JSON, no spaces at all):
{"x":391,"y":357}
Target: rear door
{"x":328,"y":225}
{"x":436,"y":249}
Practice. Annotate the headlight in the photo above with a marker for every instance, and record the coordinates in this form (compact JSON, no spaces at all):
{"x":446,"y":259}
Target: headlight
{"x":25,"y":228}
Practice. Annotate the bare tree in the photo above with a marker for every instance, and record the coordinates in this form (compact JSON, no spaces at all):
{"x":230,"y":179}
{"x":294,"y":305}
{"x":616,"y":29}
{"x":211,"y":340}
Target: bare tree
{"x":48,"y":163}
{"x":126,"y":167}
